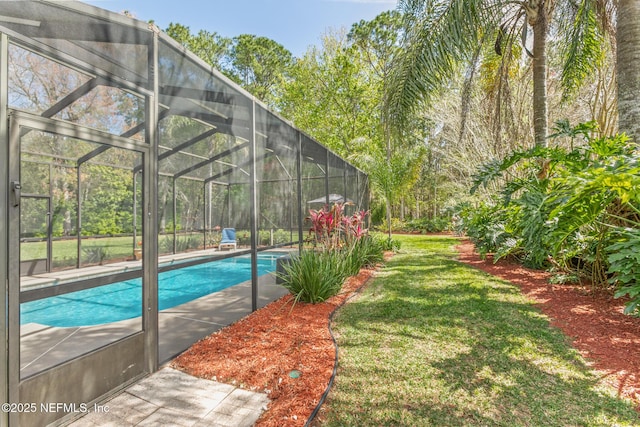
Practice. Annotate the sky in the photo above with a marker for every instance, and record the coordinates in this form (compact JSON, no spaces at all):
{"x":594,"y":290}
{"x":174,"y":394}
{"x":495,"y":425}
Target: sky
{"x":295,"y":24}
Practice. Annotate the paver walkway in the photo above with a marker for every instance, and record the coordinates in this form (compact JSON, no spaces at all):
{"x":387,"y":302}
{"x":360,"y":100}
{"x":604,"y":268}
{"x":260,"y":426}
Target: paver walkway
{"x":173,"y":398}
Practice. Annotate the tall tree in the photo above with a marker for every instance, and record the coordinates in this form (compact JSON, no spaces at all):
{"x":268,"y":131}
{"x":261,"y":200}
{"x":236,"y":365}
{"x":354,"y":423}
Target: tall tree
{"x":332,"y":96}
{"x":259,"y":64}
{"x":628,"y":64}
{"x":444,"y":34}
{"x":211,"y":47}
{"x":378,"y":40}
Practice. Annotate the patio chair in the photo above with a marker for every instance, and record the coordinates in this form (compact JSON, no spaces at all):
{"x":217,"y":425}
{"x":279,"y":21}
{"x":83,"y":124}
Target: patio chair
{"x":228,"y":239}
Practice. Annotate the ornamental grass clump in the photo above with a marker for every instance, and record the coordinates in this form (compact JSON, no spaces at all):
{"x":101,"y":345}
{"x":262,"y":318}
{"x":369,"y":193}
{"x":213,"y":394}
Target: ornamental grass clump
{"x":341,"y":247}
{"x":314,"y":276}
{"x":362,"y":252}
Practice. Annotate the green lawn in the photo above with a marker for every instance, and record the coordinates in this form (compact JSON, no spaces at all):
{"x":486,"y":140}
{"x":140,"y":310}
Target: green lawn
{"x":64,"y":252}
{"x":432,"y":342}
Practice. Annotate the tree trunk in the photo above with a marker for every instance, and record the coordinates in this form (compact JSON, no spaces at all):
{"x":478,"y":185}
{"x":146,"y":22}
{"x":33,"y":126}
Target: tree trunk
{"x":539,"y":22}
{"x":388,"y":204}
{"x":628,"y":67}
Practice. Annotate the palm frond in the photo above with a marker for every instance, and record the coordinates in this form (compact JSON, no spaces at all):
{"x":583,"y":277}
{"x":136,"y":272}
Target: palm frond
{"x":584,"y":50}
{"x":439,"y":36}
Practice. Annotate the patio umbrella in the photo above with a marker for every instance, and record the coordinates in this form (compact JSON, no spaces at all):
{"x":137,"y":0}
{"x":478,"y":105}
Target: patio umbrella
{"x":333,"y":198}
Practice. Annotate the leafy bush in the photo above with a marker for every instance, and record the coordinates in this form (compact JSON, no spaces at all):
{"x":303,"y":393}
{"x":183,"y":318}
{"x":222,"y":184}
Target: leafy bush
{"x":624,"y":260}
{"x":386,"y":243}
{"x":183,"y":243}
{"x":428,"y":225}
{"x":275,"y":237}
{"x":485,"y":225}
{"x":396,"y":225}
{"x":566,"y":208}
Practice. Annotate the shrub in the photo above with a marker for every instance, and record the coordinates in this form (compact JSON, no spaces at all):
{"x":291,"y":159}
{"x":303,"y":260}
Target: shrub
{"x":428,"y":225}
{"x":183,"y":243}
{"x":624,"y":260}
{"x":341,"y":248}
{"x":577,"y":209}
{"x":387,"y":243}
{"x":366,"y":251}
{"x":95,"y":254}
{"x":314,"y":276}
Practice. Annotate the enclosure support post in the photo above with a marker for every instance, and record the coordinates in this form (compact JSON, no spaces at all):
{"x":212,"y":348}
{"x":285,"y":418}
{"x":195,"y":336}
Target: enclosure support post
{"x":13,"y":272}
{"x":4,"y":235}
{"x":135,"y":212}
{"x":326,"y":177}
{"x":204,"y":215}
{"x":150,"y":214}
{"x":175,"y":217}
{"x":254,"y":211}
{"x":50,"y":224}
{"x":358,"y":196}
{"x":78,"y":217}
{"x":300,"y":207}
{"x":345,"y":193}
{"x":228,"y":206}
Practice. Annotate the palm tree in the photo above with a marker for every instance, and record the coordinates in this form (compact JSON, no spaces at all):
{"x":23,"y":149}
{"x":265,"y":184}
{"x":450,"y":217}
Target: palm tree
{"x":443,"y":34}
{"x":587,"y":46}
{"x":390,"y":175}
{"x":628,"y":67}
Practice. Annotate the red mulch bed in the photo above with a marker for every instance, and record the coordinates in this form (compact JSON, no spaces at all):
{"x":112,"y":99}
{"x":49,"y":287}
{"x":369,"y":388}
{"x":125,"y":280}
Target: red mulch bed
{"x":607,"y":338}
{"x":260,"y":351}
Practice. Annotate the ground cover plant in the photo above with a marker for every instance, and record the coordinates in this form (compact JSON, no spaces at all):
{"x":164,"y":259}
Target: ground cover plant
{"x":434,"y":342}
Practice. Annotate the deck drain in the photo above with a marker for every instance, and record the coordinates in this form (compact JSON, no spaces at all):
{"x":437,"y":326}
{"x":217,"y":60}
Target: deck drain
{"x":295,"y":373}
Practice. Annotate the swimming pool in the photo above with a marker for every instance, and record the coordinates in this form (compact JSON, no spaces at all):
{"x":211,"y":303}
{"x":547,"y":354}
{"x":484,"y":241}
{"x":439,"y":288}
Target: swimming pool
{"x":123,"y":300}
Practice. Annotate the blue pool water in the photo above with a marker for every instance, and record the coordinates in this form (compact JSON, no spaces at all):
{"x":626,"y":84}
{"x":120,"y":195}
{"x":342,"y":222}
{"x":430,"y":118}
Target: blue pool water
{"x":123,"y":300}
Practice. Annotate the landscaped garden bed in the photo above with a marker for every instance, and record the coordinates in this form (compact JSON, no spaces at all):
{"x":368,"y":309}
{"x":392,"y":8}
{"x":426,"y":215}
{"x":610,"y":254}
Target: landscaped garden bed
{"x":266,"y":350}
{"x":286,"y":350}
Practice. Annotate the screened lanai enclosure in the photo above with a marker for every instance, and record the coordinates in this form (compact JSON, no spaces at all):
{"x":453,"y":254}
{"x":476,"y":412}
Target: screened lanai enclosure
{"x":125,"y":157}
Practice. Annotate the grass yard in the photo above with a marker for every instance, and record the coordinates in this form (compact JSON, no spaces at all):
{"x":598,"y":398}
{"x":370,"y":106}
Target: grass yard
{"x":433,"y":342}
{"x":64,"y":252}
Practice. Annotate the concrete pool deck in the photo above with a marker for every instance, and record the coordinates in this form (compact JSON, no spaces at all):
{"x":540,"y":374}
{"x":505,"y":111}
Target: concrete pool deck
{"x":43,"y":346}
{"x":171,"y":397}
{"x":166,"y":397}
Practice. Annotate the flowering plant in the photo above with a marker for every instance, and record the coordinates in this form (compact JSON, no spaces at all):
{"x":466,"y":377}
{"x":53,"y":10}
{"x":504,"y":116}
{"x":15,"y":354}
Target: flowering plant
{"x":330,"y":227}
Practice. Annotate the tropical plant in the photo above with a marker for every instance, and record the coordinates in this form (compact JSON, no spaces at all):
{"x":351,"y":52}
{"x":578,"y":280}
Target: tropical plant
{"x":314,"y":276}
{"x":331,"y":229}
{"x":443,"y":34}
{"x":624,"y":261}
{"x":578,"y":209}
{"x":326,"y":226}
{"x":342,"y":247}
